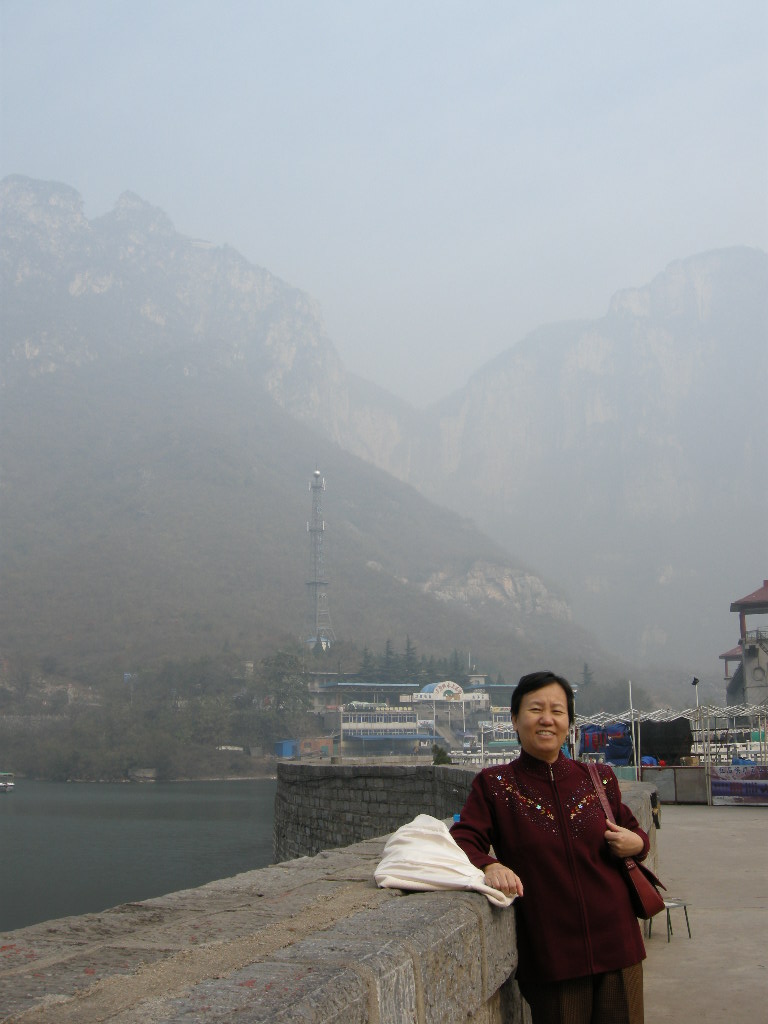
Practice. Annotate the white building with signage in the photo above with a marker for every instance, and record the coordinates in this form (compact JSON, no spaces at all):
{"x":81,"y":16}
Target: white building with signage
{"x":447,"y":699}
{"x":449,"y":692}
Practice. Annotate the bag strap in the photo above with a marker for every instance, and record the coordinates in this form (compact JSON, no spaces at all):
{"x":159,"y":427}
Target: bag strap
{"x":629,"y":862}
{"x":600,"y":790}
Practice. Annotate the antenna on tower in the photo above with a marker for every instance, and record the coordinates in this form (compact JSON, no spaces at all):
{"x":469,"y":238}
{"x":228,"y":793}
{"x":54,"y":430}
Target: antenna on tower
{"x":320,"y":628}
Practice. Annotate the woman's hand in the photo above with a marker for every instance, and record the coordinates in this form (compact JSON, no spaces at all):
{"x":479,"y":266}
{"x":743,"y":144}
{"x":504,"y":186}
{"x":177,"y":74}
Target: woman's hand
{"x":622,"y":841}
{"x":502,"y":878}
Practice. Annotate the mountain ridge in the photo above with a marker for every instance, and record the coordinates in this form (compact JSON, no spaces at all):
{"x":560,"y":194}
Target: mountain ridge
{"x":153,"y":467}
{"x":594,"y":449}
{"x":621,"y":433}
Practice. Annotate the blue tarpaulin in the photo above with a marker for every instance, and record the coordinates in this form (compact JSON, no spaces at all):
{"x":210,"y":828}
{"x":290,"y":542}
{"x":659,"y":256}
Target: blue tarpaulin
{"x":613,"y":740}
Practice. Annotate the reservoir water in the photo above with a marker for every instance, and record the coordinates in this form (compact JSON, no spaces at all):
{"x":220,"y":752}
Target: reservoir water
{"x":75,"y":848}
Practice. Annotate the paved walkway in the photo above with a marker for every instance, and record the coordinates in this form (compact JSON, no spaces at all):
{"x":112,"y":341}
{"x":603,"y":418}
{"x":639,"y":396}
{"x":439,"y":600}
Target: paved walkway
{"x":717,"y":859}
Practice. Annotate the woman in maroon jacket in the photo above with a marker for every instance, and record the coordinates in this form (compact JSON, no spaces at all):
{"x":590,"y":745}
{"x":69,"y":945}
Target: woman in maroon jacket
{"x":580,"y":948}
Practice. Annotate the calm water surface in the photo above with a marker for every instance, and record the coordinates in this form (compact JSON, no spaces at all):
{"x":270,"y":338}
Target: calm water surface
{"x":75,"y":848}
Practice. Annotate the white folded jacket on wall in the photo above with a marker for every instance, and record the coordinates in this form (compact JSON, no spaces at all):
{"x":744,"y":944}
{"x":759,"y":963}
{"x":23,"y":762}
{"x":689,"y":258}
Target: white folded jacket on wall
{"x":422,"y":856}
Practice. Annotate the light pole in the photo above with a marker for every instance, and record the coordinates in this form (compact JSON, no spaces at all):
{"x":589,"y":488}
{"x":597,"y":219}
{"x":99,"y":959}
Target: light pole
{"x":695,"y":685}
{"x":638,"y":774}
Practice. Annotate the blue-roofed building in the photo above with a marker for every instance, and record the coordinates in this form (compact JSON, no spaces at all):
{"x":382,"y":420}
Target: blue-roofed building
{"x":287,"y":748}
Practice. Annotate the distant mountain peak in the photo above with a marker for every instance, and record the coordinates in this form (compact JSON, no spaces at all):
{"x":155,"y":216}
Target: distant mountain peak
{"x":133,"y":210}
{"x":46,"y":209}
{"x":687,"y":287}
{"x":20,"y":189}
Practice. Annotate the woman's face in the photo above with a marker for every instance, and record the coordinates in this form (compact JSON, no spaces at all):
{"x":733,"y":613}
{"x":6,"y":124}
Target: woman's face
{"x":542,"y":722}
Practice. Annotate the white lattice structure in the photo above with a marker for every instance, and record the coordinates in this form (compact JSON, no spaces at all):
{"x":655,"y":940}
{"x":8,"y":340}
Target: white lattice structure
{"x":719,"y":733}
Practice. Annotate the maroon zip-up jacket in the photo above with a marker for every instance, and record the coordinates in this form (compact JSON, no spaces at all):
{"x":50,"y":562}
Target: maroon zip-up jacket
{"x":546,"y":823}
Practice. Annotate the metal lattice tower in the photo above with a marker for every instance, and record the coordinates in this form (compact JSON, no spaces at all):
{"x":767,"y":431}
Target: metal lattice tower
{"x":320,"y":628}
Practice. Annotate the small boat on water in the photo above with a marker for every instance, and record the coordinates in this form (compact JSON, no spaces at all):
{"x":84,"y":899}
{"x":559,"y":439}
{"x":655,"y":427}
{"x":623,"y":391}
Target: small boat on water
{"x":6,"y":782}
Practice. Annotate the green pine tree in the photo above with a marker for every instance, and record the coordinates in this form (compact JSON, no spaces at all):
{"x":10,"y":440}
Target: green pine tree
{"x":410,"y":661}
{"x":367,"y":670}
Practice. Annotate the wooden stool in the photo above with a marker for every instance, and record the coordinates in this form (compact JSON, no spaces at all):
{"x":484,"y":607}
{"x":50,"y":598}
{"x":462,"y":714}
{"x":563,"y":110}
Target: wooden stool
{"x":670,"y":904}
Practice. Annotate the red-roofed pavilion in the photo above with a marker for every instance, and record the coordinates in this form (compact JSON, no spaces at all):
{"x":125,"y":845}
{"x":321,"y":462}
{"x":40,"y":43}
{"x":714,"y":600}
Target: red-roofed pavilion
{"x":735,"y":654}
{"x":749,"y":684}
{"x":755,"y":603}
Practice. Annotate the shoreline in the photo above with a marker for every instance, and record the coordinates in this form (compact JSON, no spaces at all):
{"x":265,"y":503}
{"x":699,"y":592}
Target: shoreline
{"x":268,"y":774}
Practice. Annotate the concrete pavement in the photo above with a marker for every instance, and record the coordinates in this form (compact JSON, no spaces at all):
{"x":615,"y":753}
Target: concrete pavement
{"x":716,"y":858}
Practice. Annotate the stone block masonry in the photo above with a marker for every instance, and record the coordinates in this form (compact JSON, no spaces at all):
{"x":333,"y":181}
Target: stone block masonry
{"x":318,"y":807}
{"x":323,"y":806}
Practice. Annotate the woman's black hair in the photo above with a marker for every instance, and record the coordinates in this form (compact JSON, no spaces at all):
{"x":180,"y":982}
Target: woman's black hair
{"x":535,"y":681}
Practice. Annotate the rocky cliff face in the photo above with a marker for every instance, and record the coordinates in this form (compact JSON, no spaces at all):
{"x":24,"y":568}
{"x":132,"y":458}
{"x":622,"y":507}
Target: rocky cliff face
{"x":127,"y":285}
{"x":621,"y":456}
{"x":516,"y":593}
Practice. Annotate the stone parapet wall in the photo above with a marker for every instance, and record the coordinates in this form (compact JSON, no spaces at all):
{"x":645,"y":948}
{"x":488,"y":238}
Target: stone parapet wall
{"x":319,"y":807}
{"x":309,"y":941}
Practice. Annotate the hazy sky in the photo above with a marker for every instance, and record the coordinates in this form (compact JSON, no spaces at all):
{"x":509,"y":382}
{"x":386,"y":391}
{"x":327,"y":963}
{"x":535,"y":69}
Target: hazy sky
{"x":441,"y":177}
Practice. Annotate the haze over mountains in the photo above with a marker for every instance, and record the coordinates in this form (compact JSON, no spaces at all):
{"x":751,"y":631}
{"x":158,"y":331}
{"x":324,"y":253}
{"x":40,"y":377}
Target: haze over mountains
{"x":625,"y":457}
{"x":165,"y":402}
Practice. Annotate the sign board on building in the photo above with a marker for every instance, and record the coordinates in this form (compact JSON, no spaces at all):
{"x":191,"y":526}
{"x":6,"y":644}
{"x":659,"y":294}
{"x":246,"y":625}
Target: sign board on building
{"x":448,"y":691}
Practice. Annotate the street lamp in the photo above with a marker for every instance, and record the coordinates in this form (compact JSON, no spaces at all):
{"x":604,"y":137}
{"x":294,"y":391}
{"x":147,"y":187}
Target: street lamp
{"x":702,"y":746}
{"x":482,"y":743}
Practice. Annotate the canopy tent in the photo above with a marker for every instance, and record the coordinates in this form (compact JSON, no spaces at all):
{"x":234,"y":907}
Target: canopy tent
{"x":705,"y":722}
{"x":668,"y":714}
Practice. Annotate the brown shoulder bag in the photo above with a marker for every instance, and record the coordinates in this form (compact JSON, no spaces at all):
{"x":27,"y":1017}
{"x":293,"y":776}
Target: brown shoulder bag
{"x":643,"y":885}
